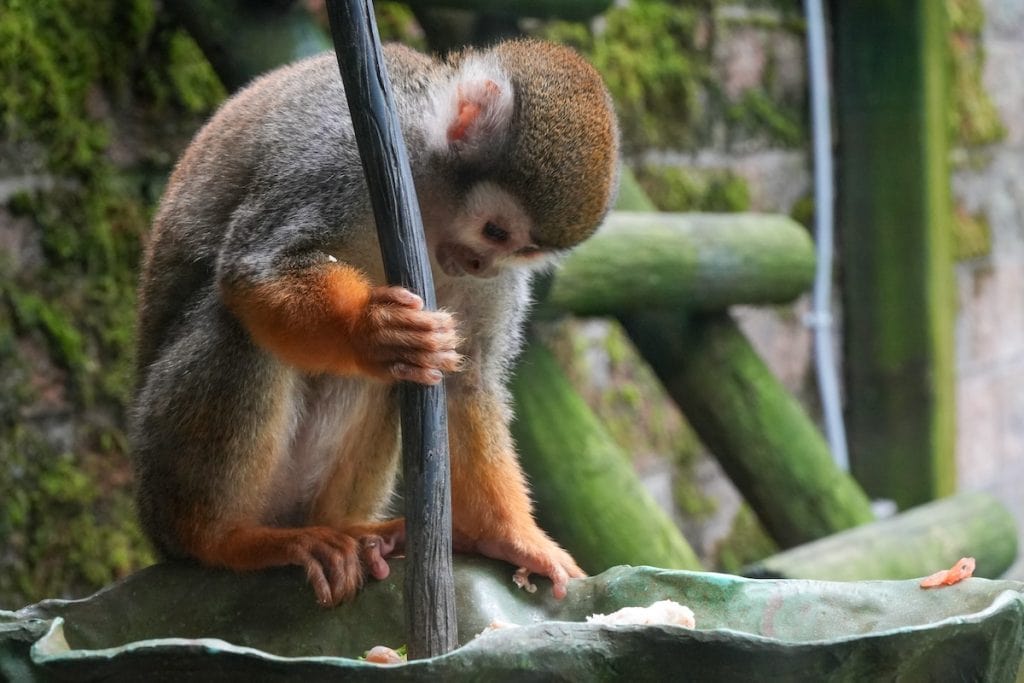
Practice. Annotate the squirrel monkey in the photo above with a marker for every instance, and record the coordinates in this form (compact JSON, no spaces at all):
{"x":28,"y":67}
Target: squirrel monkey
{"x":264,"y":425}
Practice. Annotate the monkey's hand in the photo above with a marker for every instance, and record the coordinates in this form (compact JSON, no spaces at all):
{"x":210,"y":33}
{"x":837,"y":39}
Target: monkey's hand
{"x":534,"y":553}
{"x":332,"y":320}
{"x":396,"y":339}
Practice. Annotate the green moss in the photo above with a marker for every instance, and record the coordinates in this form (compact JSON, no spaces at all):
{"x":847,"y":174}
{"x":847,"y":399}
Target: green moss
{"x":55,"y":54}
{"x":67,"y":316}
{"x":803,"y":211}
{"x":632,"y":405}
{"x":396,"y":22}
{"x":71,"y":529}
{"x":655,"y":69}
{"x":672,"y":188}
{"x":972,"y":235}
{"x":51,"y":55}
{"x":757,"y":113}
{"x":974,"y":119}
{"x":64,"y":534}
{"x":966,"y":15}
{"x":195,"y":85}
{"x":631,"y":196}
{"x":746,"y":543}
{"x":84,"y":303}
{"x":657,"y":59}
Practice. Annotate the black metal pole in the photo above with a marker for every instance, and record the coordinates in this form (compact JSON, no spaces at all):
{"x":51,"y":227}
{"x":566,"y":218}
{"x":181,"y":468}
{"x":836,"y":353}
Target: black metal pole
{"x":429,"y":586}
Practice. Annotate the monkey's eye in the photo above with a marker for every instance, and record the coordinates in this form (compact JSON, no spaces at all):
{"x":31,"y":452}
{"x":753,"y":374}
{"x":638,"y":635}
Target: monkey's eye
{"x":495,"y":233}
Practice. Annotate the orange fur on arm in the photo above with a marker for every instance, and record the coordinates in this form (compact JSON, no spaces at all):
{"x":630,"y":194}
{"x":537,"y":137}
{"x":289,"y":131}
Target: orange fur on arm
{"x":308,"y":318}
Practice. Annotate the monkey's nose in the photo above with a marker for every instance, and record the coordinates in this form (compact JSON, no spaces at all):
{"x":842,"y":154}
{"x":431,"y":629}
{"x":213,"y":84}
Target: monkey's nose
{"x":477,"y":265}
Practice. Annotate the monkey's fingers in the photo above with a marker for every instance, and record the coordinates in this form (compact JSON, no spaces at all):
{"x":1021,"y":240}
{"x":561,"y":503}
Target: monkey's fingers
{"x":445,"y":361}
{"x":395,"y":296}
{"x":398,"y":340}
{"x":335,"y":576}
{"x":412,"y":373}
{"x":331,"y":562}
{"x":389,"y":319}
{"x":377,"y":541}
{"x":373,"y":551}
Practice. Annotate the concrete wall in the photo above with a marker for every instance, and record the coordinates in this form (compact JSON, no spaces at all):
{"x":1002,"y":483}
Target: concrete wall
{"x":757,"y":46}
{"x":989,"y":182}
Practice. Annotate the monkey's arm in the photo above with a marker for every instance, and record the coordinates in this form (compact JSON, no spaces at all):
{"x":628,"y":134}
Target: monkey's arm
{"x":321,"y":314}
{"x":491,"y":510}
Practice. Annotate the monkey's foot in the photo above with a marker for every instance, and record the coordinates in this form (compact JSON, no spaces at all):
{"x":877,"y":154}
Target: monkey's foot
{"x":377,"y":542}
{"x":331,"y":559}
{"x":538,"y":556}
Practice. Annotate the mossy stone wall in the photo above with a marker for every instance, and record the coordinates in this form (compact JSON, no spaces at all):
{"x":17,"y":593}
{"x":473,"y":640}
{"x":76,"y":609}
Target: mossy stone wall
{"x":98,"y":98}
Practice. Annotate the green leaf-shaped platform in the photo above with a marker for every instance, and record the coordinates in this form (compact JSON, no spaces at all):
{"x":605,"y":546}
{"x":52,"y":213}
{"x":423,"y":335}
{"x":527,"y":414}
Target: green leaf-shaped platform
{"x":181,"y":622}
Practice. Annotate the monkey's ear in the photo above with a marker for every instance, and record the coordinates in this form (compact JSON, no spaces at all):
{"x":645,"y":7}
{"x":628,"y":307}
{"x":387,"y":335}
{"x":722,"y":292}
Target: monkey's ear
{"x":473,"y":117}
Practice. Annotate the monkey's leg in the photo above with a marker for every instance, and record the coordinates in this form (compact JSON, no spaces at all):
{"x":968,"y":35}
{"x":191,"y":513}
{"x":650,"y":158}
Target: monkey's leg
{"x":491,"y":510}
{"x":358,"y":486}
{"x":211,"y":428}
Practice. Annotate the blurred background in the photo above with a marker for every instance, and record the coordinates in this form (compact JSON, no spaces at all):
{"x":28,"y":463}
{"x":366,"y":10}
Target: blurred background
{"x":723,"y":424}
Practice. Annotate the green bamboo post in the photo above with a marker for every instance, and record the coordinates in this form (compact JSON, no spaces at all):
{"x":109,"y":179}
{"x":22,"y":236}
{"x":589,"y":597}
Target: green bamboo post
{"x":915,"y":543}
{"x":770,"y":449}
{"x":694,"y":261}
{"x":894,"y":214}
{"x":765,"y":441}
{"x":588,"y":496}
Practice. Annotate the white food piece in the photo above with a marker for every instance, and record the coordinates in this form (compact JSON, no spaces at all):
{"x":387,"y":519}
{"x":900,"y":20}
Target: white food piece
{"x":496,"y":625}
{"x":661,"y":612}
{"x":522,"y":579}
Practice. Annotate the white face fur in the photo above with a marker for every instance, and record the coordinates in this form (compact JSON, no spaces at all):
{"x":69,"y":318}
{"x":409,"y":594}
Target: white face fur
{"x":490,"y":233}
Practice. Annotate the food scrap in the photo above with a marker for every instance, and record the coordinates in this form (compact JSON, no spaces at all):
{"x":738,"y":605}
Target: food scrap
{"x":661,"y":612}
{"x":522,"y":579}
{"x":381,"y":654}
{"x":963,"y":569}
{"x":496,"y":625}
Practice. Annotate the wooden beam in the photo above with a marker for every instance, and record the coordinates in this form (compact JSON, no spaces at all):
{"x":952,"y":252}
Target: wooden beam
{"x":757,"y":430}
{"x":588,"y":496}
{"x":895,"y":236}
{"x":696,"y":261}
{"x":914,"y":543}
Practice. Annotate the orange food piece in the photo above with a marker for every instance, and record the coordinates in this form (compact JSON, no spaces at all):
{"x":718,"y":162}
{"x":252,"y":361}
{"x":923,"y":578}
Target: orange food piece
{"x":963,"y":569}
{"x":384,"y":655}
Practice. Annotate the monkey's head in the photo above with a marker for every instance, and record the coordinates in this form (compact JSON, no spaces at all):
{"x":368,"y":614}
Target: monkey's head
{"x":528,"y":132}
